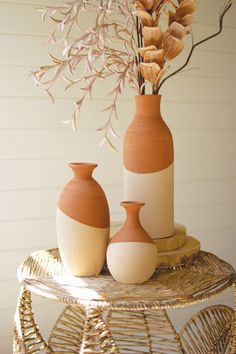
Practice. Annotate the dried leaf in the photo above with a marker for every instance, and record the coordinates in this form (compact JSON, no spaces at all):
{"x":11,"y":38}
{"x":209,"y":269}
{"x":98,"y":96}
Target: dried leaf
{"x":177,"y":30}
{"x":172,"y":47}
{"x":145,"y":18}
{"x":50,"y":95}
{"x":155,"y":56}
{"x":152,"y":36}
{"x":186,"y":7}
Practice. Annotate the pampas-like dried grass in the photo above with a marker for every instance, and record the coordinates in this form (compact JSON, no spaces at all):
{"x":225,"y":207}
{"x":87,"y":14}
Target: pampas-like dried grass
{"x":126,"y":42}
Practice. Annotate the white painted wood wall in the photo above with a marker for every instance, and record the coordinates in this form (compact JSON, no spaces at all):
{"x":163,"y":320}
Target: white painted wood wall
{"x":35,"y":147}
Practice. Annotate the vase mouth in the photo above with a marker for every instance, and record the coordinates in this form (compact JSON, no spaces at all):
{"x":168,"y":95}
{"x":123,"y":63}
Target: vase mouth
{"x":149,"y":95}
{"x":83,"y":164}
{"x":132,"y":203}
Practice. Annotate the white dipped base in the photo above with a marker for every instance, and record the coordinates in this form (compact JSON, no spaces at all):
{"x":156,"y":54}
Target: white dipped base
{"x":131,"y":262}
{"x":156,"y":190}
{"x":82,"y":247}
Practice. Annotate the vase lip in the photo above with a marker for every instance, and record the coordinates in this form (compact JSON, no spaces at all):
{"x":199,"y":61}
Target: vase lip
{"x":149,"y":95}
{"x":132,"y":203}
{"x":83,"y":164}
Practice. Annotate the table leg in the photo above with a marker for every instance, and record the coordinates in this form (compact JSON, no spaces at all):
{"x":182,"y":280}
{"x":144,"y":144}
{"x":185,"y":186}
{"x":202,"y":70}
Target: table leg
{"x":96,"y":336}
{"x":233,"y":342}
{"x":27,"y":337}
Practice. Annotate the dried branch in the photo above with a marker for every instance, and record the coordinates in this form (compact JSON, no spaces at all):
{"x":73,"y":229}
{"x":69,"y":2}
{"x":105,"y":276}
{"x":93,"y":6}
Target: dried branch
{"x":225,"y":9}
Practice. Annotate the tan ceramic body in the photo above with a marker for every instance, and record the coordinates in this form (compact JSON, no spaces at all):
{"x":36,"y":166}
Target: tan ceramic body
{"x":83,"y":223}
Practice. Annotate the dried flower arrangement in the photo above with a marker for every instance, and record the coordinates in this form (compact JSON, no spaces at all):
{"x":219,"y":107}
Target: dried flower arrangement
{"x":126,"y":42}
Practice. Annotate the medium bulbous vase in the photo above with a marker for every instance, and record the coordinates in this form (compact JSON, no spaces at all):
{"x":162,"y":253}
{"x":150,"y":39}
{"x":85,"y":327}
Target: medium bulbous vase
{"x":132,"y":254}
{"x":83,"y":223}
{"x":149,"y":166}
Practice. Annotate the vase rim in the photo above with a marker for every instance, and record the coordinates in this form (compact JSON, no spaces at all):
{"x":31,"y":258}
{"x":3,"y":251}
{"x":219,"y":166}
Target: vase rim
{"x":132,"y":202}
{"x":83,"y":164}
{"x":149,"y":95}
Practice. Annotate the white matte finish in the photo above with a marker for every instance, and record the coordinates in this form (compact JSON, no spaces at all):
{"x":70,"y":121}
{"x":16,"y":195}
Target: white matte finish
{"x":131,"y":262}
{"x":82,"y":247}
{"x":156,"y":190}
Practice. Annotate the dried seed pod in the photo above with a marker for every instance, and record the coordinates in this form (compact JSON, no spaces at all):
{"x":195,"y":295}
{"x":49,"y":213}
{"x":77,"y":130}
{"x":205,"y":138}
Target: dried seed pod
{"x":186,"y":7}
{"x":145,"y":18}
{"x":171,"y":17}
{"x":155,"y":56}
{"x":172,"y":47}
{"x":185,"y":21}
{"x":139,"y":6}
{"x":152,"y":36}
{"x":143,"y":50}
{"x":177,"y":30}
{"x":148,"y":4}
{"x":151,"y":72}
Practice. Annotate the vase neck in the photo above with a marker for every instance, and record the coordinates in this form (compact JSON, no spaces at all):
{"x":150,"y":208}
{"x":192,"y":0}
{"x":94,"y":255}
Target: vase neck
{"x":148,"y":105}
{"x":132,"y":212}
{"x":82,"y":170}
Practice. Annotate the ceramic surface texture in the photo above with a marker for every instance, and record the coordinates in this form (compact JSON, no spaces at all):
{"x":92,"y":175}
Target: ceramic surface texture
{"x":83,"y":223}
{"x":149,"y":166}
{"x":132,"y":254}
{"x":83,"y":249}
{"x":131,"y":262}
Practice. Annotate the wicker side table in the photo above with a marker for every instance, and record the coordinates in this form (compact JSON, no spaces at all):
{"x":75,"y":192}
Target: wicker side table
{"x":103,"y":316}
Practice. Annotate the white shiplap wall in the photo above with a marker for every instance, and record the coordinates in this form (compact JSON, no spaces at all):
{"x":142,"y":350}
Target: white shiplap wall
{"x":35,"y":147}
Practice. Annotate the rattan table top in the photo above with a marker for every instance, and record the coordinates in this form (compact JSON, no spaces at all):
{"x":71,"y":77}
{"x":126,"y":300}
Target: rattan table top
{"x":43,"y":274}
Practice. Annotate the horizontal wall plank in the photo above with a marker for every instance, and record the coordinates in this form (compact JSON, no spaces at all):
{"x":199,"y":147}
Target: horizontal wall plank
{"x":38,"y":204}
{"x":46,"y":174}
{"x":63,"y":144}
{"x":42,"y":114}
{"x":28,"y":234}
{"x":34,"y":53}
{"x":32,"y":23}
{"x":208,"y":217}
{"x":194,"y":193}
{"x":217,"y":241}
{"x":57,"y":144}
{"x":13,"y":260}
{"x":54,"y":174}
{"x":205,"y":168}
{"x":216,"y":91}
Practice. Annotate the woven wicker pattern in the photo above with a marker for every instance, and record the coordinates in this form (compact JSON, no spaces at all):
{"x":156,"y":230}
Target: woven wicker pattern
{"x":209,"y":331}
{"x":104,"y":316}
{"x":44,"y":274}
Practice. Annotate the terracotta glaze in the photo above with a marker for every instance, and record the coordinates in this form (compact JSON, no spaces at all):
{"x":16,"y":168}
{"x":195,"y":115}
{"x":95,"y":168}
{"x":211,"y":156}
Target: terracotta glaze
{"x":148,"y":140}
{"x":132,"y":254}
{"x":83,"y":223}
{"x":149,"y":167}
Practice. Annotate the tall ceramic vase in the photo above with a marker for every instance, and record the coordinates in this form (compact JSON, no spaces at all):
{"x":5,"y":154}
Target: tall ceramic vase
{"x":149,"y":166}
{"x":132,"y":254}
{"x":83,"y":223}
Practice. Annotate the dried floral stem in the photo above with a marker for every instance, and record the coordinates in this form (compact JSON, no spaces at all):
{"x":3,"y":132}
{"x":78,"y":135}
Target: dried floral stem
{"x":221,"y":19}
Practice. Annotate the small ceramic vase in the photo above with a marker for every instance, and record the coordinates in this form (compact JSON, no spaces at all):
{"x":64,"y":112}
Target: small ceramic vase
{"x":83,"y":223}
{"x":132,"y":254}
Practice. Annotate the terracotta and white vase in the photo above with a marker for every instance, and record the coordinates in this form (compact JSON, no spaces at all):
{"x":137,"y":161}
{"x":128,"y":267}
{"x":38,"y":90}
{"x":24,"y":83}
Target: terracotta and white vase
{"x":132,"y":254}
{"x":83,"y":223}
{"x":149,"y":166}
